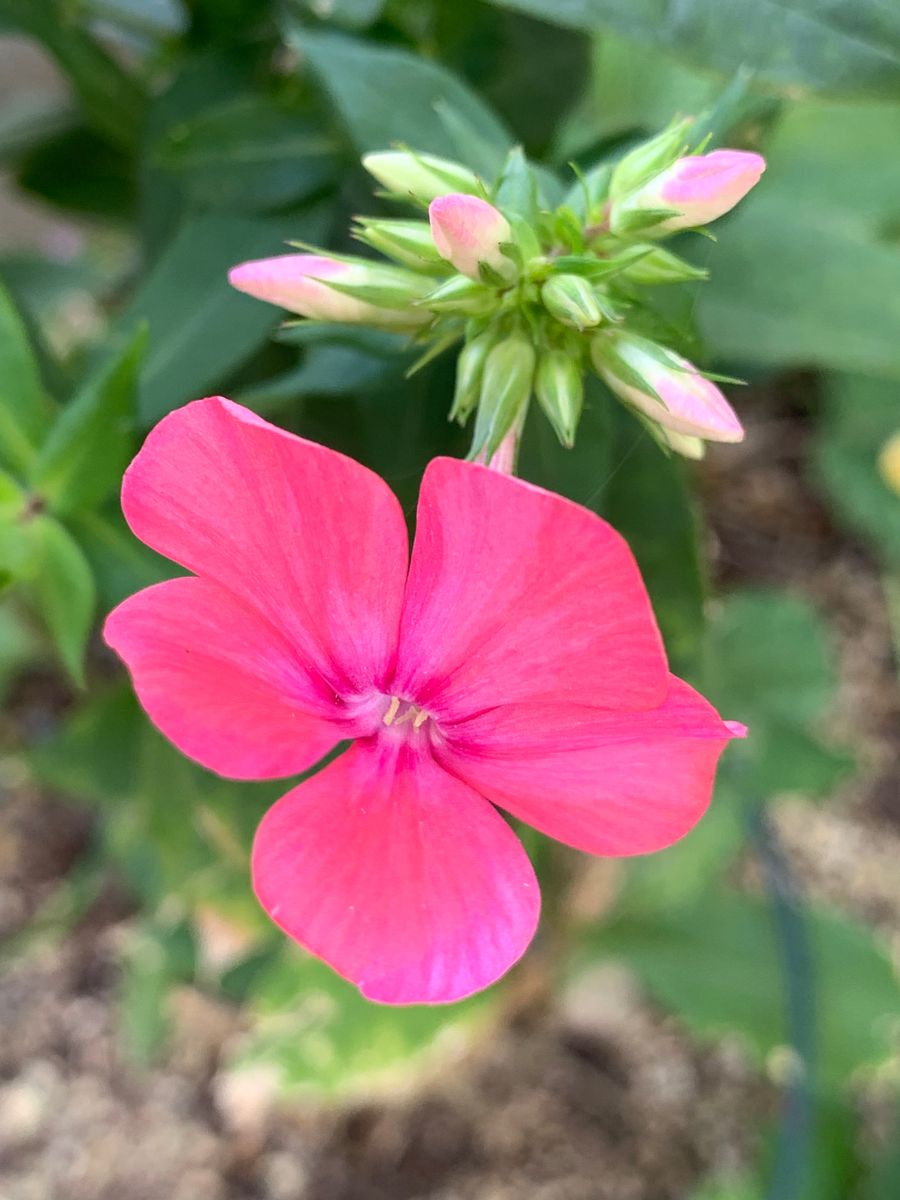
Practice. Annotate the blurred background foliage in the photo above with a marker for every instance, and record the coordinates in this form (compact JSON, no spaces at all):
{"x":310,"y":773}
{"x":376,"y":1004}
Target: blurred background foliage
{"x":197,"y":133}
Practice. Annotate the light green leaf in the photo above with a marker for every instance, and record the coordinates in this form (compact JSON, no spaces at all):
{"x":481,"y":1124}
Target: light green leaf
{"x":200,"y":327}
{"x":857,"y":418}
{"x":385,"y":94}
{"x":806,"y":270}
{"x":23,"y":406}
{"x":320,"y":1034}
{"x":769,"y":665}
{"x":717,"y":966}
{"x":62,"y":588}
{"x":815,"y":43}
{"x":88,"y":448}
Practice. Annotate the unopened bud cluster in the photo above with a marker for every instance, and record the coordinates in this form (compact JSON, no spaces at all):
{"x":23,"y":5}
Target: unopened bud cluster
{"x":537,"y":296}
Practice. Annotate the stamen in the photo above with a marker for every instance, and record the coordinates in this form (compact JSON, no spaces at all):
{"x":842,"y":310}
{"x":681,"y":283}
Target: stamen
{"x":392,"y":710}
{"x":421,"y":718}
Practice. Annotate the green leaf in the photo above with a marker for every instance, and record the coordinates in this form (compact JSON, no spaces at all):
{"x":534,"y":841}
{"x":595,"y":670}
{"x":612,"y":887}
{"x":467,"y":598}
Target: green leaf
{"x":857,"y":418}
{"x":248,"y":154}
{"x":832,"y":47}
{"x":516,"y":190}
{"x":121,"y":565}
{"x":111,"y":99}
{"x":769,"y":665}
{"x":717,"y":967}
{"x":23,"y":406}
{"x":321,"y":1034}
{"x":647,"y":500}
{"x":385,"y":94}
{"x":78,"y":171}
{"x":90,"y":444}
{"x":806,"y":270}
{"x":62,"y":589}
{"x":201,"y":328}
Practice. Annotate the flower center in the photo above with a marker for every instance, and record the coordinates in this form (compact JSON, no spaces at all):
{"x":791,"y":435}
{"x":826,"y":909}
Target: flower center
{"x":404,"y":712}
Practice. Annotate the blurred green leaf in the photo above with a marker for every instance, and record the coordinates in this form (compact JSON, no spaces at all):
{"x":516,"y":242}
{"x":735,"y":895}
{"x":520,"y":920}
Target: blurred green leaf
{"x":717,"y":967}
{"x":322,"y":1035}
{"x":24,"y":412}
{"x":112,"y":101}
{"x":857,"y":418}
{"x":351,"y":14}
{"x":28,"y":120}
{"x":832,"y":47}
{"x":80,"y":172}
{"x":248,"y":153}
{"x":385,"y":94}
{"x":806,"y":270}
{"x":120,"y":563}
{"x":156,"y":958}
{"x":62,"y":589}
{"x":648,"y":502}
{"x":768,"y":664}
{"x":152,"y":18}
{"x":88,"y":447}
{"x":201,"y":328}
{"x":18,"y":646}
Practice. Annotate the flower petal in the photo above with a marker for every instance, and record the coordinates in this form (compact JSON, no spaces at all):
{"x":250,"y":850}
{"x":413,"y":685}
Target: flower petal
{"x":313,"y":541}
{"x":611,"y":783}
{"x":398,"y":875}
{"x":516,"y":594}
{"x":221,"y":682}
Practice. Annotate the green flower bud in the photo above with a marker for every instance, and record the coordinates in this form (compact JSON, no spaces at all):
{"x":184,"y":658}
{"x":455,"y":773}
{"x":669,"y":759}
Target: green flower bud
{"x":422,"y":176}
{"x":559,"y":387}
{"x":469,"y":372}
{"x":407,"y":242}
{"x":571,"y":299}
{"x":461,"y":295}
{"x":505,"y":390}
{"x":649,"y":159}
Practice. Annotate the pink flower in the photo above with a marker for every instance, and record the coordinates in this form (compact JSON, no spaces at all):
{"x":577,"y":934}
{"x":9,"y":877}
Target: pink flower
{"x":513,"y":661}
{"x":700,"y":188}
{"x":300,"y":283}
{"x":468,"y":231}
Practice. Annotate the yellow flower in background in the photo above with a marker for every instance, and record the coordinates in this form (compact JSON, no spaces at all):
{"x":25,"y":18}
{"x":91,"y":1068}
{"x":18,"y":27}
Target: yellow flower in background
{"x":889,"y":462}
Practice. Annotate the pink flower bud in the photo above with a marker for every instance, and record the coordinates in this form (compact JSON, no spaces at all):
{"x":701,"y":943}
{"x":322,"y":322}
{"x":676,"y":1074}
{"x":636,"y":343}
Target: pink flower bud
{"x":299,"y":283}
{"x":699,"y":188}
{"x":468,"y":231}
{"x":684,"y":401}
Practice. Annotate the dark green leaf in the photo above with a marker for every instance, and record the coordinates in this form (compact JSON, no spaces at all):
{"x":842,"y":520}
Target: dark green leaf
{"x":833,"y":47}
{"x":200,"y":327}
{"x":111,"y":99}
{"x":385,"y":94}
{"x":79,"y":171}
{"x":88,"y":447}
{"x":247,"y":154}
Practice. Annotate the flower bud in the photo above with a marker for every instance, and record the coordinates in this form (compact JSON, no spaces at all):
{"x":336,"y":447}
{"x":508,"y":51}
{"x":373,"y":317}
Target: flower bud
{"x":469,"y":372}
{"x":469,"y":232}
{"x":657,"y":266}
{"x":649,"y":159}
{"x":683,"y":443}
{"x":461,"y":295}
{"x":665,"y":387}
{"x":423,"y":176}
{"x":559,"y":387}
{"x":889,"y":462}
{"x":571,"y":299}
{"x":505,"y":389}
{"x":407,"y":242}
{"x":693,"y":190}
{"x":328,"y":289}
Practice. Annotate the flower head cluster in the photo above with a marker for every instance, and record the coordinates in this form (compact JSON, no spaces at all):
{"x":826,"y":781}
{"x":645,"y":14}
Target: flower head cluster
{"x":512,"y":661}
{"x":537,"y":295}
